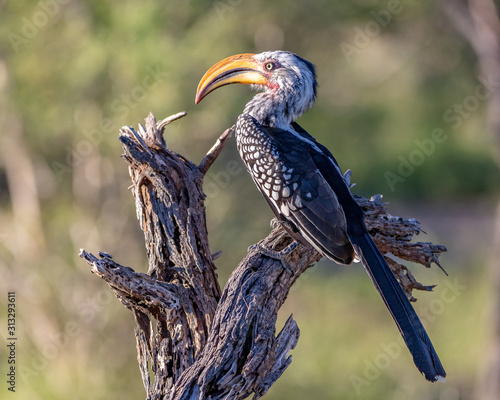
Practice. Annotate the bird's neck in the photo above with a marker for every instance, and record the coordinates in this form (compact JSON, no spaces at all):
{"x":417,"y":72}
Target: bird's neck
{"x":276,"y":108}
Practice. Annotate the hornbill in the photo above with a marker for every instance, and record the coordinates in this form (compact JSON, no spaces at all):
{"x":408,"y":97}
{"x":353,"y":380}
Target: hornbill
{"x":303,"y":183}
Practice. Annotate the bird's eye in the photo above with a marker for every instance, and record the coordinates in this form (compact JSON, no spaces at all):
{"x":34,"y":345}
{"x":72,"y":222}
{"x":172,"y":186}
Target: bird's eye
{"x":270,"y":66}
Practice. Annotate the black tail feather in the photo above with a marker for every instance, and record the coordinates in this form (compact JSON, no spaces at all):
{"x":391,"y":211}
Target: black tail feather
{"x":412,"y":330}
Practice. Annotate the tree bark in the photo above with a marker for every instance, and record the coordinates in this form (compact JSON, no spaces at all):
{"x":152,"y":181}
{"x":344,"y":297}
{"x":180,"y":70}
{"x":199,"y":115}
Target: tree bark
{"x":199,"y":343}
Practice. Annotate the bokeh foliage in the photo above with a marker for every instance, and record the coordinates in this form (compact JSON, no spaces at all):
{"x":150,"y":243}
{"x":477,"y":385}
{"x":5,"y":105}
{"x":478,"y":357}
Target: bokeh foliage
{"x":73,"y":72}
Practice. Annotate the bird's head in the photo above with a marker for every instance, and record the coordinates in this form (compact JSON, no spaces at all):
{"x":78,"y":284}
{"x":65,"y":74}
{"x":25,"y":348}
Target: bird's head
{"x":288,"y":83}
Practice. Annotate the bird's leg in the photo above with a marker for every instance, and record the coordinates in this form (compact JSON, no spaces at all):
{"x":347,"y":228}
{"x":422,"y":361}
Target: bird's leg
{"x":347,"y":179}
{"x":276,"y":255}
{"x":279,"y":255}
{"x":282,"y":221}
{"x":275,"y":222}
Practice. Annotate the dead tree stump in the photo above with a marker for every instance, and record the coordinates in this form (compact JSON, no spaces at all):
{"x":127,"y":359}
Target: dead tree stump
{"x":200,"y":343}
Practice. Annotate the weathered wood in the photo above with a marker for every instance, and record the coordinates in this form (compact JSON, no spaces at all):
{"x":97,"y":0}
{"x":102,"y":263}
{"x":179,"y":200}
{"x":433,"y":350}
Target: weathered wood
{"x":135,"y":290}
{"x":243,"y":354}
{"x":170,"y":208}
{"x":202,"y":344}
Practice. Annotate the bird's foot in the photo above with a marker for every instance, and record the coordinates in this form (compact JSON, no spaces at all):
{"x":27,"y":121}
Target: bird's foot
{"x":276,"y":255}
{"x":347,"y":179}
{"x":275,"y":222}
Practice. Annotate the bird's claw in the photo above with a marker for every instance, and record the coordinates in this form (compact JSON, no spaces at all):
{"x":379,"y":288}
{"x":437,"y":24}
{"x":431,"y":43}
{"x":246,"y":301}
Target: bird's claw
{"x":347,"y":179}
{"x":275,"y":222}
{"x":276,"y":255}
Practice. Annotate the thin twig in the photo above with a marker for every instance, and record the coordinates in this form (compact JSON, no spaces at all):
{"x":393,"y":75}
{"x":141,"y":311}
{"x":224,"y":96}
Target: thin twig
{"x":215,"y":150}
{"x":160,"y":125}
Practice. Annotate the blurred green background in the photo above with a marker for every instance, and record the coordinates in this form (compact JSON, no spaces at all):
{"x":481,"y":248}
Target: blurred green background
{"x":73,"y":72}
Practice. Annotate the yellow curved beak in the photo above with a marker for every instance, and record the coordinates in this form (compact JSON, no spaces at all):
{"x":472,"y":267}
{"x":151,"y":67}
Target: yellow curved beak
{"x":241,"y":68}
